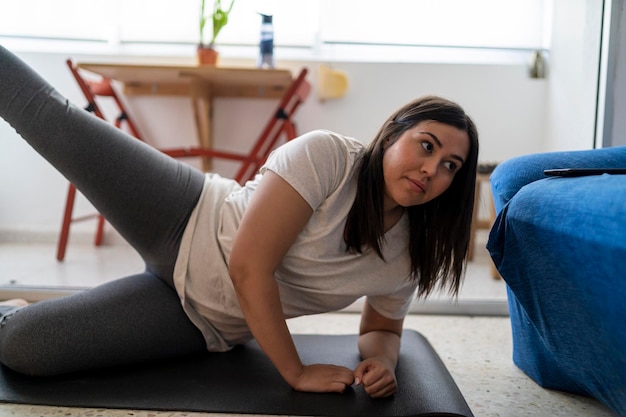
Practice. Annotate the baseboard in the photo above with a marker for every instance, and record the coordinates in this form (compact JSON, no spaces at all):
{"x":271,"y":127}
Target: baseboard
{"x":435,"y":307}
{"x":467,"y":307}
{"x":462,"y":308}
{"x":34,"y":294}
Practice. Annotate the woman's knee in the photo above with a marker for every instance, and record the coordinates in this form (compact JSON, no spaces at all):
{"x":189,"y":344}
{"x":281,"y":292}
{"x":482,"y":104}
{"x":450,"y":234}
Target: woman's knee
{"x":23,"y":345}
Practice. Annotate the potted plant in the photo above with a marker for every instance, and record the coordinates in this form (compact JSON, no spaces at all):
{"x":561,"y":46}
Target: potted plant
{"x":207,"y":55}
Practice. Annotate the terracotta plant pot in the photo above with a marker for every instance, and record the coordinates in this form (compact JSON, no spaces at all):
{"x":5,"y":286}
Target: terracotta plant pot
{"x":207,"y":55}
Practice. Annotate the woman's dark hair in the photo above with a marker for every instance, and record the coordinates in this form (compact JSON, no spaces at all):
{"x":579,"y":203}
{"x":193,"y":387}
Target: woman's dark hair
{"x":439,"y":230}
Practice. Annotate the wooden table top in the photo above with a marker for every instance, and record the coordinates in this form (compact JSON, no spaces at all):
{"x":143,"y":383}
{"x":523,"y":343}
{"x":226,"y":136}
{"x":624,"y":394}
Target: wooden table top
{"x":176,"y":79}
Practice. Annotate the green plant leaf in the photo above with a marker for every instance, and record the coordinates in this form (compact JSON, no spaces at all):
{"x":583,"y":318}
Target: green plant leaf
{"x":219,"y":19}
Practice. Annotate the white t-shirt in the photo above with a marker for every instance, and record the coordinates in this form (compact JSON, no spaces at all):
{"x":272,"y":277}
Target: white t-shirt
{"x":317,"y":274}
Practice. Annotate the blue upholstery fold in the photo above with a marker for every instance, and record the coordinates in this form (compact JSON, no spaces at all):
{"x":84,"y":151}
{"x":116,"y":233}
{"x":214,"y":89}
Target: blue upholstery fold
{"x":560,"y":245}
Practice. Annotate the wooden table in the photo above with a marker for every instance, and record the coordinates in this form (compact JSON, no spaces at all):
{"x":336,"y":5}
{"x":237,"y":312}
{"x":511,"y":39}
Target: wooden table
{"x":200,"y":83}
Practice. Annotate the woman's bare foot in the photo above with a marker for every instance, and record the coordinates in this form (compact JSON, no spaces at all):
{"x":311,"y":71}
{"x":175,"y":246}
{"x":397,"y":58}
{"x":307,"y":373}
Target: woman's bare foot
{"x":15,"y":302}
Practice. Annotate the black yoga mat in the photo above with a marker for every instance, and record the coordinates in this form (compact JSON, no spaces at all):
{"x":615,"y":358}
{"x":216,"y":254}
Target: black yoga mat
{"x":243,"y":381}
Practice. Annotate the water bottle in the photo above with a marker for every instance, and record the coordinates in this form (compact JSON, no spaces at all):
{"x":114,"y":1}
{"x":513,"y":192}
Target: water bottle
{"x":266,"y":46}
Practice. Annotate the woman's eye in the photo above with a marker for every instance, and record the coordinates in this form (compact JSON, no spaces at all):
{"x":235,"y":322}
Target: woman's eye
{"x":428,"y":147}
{"x":450,"y":165}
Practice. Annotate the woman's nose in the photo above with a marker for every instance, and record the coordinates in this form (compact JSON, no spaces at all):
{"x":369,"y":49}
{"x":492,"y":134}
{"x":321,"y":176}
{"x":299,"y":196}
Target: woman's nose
{"x":429,"y":168}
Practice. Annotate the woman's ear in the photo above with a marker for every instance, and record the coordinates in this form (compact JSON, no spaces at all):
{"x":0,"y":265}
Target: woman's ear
{"x":387,"y":143}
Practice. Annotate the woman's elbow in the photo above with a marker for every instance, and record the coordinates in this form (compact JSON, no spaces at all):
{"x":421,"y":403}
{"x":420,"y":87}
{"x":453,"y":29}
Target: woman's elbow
{"x":237,"y":270}
{"x":242,"y":271}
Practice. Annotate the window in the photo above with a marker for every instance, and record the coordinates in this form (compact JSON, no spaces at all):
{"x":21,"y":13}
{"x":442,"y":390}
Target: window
{"x":475,"y":23}
{"x":64,"y":19}
{"x":506,"y":24}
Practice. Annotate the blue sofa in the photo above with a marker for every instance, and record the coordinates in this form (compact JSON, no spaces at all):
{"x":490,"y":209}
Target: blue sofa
{"x":560,"y":245}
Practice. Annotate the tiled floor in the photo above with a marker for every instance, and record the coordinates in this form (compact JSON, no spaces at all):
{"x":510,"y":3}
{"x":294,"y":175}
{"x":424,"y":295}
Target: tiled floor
{"x":476,"y":349}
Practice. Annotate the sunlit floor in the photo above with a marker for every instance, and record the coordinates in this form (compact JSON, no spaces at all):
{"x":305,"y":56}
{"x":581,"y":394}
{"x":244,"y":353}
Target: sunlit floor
{"x":471,"y":335}
{"x":31,"y":267}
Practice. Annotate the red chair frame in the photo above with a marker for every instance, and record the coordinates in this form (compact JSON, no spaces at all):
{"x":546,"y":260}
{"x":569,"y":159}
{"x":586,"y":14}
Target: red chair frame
{"x":280,"y":124}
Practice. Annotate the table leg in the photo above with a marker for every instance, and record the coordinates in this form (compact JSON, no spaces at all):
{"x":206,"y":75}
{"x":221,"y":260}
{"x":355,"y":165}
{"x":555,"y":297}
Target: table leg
{"x":202,"y":110}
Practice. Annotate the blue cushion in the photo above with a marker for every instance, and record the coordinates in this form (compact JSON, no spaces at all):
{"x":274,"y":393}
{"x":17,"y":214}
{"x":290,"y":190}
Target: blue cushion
{"x":560,"y":244}
{"x":511,"y":175}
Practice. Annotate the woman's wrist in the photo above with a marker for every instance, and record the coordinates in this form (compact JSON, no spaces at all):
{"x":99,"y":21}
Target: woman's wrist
{"x":292,"y":374}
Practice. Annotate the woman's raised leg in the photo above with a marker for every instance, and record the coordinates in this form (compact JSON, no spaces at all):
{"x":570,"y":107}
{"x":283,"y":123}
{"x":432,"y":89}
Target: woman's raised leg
{"x":143,"y":193}
{"x":147,"y":196}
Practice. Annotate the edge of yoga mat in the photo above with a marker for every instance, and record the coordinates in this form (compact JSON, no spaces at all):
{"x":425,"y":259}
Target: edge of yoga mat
{"x":243,"y":381}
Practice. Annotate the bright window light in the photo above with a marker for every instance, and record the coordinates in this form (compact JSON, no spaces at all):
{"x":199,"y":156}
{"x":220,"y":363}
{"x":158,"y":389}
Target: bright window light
{"x":297,"y":23}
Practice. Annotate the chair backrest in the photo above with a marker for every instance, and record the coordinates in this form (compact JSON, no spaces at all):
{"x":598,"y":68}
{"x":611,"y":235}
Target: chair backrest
{"x":101,"y":87}
{"x":281,"y":123}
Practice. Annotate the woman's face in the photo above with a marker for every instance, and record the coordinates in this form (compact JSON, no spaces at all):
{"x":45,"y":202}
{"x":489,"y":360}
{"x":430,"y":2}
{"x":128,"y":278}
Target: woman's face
{"x":420,"y":165}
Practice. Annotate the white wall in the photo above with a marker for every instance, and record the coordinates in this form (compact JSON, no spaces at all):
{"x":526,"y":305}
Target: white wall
{"x":515,"y":115}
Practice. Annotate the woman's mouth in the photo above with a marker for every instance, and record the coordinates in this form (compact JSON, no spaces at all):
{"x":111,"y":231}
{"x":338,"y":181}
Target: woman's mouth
{"x":417,"y":186}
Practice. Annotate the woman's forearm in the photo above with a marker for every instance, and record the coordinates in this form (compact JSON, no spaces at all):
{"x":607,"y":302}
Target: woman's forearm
{"x":275,"y":216}
{"x":260,"y":303}
{"x":382,"y":344}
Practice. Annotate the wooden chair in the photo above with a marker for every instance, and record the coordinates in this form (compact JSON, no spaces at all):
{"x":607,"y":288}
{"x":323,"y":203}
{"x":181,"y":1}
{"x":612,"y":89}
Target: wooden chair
{"x":280,"y":124}
{"x":482,"y":180}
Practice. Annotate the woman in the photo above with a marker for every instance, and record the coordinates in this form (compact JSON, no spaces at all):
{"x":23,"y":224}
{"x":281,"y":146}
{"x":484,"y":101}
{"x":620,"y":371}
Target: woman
{"x":325,"y":222}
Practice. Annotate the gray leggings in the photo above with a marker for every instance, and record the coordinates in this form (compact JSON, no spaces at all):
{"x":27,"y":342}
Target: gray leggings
{"x":148,"y":198}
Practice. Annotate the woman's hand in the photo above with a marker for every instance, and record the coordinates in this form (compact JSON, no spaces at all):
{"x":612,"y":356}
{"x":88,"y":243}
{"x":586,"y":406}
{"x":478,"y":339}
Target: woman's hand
{"x":378,"y":377}
{"x":379,"y":344}
{"x":323,"y":378}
